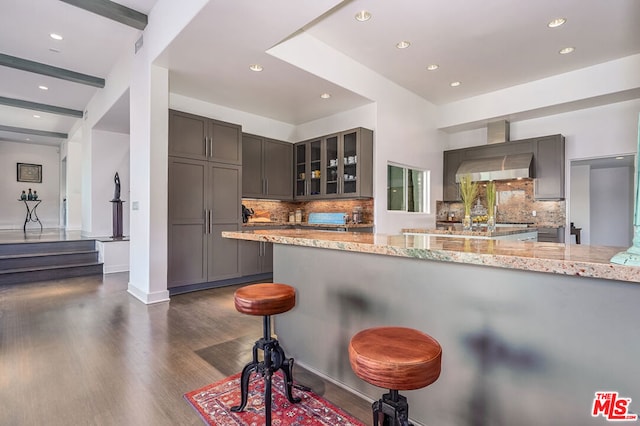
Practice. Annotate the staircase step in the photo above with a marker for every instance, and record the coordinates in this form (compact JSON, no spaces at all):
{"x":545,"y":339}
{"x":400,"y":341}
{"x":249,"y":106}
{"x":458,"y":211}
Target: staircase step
{"x":13,"y":249}
{"x":47,"y":260}
{"x":23,"y":275}
{"x":31,"y":261}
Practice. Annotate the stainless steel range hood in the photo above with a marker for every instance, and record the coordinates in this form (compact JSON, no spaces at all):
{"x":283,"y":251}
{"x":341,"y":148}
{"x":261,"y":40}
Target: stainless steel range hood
{"x":497,"y":168}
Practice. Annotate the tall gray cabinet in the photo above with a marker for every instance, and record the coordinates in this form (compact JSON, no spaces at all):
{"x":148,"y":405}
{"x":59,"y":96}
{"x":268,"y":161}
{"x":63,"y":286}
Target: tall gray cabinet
{"x":205,"y":187}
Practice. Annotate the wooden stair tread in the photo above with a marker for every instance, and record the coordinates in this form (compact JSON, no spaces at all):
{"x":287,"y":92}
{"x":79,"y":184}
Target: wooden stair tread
{"x":50,"y":267}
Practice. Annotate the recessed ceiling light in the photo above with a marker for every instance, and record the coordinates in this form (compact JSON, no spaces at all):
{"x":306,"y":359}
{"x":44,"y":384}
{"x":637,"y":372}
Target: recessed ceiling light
{"x":51,"y":49}
{"x":455,"y":84}
{"x":433,"y":67}
{"x":325,"y":95}
{"x":36,"y":116}
{"x":27,"y":139}
{"x":403,"y":44}
{"x":556,"y":22}
{"x":256,"y":67}
{"x":43,"y":87}
{"x":55,"y":36}
{"x":620,"y":158}
{"x":566,"y":50}
{"x":363,"y":15}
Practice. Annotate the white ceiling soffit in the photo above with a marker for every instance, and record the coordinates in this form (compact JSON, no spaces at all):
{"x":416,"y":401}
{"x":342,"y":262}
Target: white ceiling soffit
{"x":210,"y":61}
{"x":91,"y":45}
{"x":487,"y":45}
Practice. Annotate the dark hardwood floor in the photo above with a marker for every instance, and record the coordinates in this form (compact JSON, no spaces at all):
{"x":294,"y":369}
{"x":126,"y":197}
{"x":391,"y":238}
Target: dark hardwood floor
{"x":82,"y":351}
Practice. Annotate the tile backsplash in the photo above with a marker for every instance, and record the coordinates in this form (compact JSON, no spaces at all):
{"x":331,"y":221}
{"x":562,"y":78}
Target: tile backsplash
{"x":279,"y":210}
{"x":515,"y":204}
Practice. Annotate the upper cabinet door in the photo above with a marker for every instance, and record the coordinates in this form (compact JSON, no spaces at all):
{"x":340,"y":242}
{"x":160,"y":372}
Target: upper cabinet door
{"x":333,"y":165}
{"x":201,"y":138}
{"x":315,"y":168}
{"x":350,"y":149}
{"x":549,"y":167}
{"x":252,"y":182}
{"x":277,"y":169}
{"x":300,"y":164}
{"x":225,"y":142}
{"x":188,"y":135}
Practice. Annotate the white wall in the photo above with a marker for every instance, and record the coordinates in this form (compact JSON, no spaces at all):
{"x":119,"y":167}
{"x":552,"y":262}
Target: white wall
{"x":250,"y":123}
{"x":109,"y":154}
{"x":405,"y":130}
{"x":12,"y":211}
{"x":580,"y":202}
{"x":71,"y":151}
{"x":611,"y":206}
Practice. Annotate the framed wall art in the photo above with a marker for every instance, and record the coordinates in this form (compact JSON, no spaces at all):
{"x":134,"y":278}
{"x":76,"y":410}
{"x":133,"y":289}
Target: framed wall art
{"x":29,"y":172}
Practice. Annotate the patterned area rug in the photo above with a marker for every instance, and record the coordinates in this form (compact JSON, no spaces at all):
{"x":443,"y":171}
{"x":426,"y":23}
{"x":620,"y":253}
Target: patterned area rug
{"x":214,"y":403}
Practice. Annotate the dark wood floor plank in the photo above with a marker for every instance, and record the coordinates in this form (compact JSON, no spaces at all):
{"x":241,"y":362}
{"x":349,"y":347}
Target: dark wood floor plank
{"x":83,"y":351}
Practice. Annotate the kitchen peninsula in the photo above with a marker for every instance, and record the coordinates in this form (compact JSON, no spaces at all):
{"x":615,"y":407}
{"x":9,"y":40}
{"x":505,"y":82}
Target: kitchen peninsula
{"x":523,"y":325}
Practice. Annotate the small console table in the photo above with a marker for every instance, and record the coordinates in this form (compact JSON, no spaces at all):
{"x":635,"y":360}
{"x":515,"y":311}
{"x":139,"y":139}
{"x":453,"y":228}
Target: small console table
{"x":32,"y":215}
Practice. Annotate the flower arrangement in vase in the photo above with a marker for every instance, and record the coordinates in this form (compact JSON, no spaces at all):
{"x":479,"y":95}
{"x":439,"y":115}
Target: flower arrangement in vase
{"x":468,"y":192}
{"x":491,"y":206}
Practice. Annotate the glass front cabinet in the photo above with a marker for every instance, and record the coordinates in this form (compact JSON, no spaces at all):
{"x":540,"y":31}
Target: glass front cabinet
{"x":335,"y":166}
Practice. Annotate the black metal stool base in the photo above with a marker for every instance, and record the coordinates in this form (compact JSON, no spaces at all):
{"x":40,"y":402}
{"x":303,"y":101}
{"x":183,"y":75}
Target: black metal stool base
{"x":391,"y":410}
{"x":274,"y":359}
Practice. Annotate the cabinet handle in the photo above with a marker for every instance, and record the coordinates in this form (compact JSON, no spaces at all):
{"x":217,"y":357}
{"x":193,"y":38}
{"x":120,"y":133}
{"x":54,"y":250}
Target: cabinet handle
{"x":211,"y":146}
{"x":206,"y":147}
{"x":210,"y":216}
{"x":206,"y":223}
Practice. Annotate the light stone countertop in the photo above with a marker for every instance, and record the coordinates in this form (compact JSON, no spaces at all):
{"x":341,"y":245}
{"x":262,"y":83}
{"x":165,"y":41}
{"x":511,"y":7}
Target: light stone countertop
{"x":555,"y":258}
{"x":275,"y":224}
{"x":475,"y":232}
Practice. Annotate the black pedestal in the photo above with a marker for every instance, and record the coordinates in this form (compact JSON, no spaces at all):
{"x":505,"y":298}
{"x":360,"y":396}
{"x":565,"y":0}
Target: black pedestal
{"x":117,"y":218}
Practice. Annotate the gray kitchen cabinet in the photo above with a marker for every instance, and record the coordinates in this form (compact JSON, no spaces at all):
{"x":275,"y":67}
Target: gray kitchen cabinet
{"x":549,"y":159}
{"x":335,"y":166}
{"x":204,"y":200}
{"x":267,"y":168}
{"x":202,"y":138}
{"x":308,"y":165}
{"x":450,"y":189}
{"x":256,"y":257}
{"x":548,"y":164}
{"x":188,"y":222}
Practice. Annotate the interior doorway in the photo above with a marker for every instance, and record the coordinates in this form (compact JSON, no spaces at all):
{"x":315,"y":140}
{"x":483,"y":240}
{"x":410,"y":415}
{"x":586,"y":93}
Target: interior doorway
{"x":601,"y":200}
{"x":63,"y":193}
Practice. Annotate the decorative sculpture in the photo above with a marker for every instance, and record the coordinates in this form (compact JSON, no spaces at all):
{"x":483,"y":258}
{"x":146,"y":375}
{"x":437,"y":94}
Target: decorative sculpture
{"x":632,"y":255}
{"x":116,"y":194}
{"x":117,"y":209}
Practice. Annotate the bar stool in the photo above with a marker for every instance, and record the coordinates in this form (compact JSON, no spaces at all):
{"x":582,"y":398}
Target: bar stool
{"x":265,"y":300}
{"x":395,"y":358}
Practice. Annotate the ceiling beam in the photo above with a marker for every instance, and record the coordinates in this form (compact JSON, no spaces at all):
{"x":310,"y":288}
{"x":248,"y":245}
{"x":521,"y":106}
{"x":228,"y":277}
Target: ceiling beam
{"x":114,"y":11}
{"x":33,"y":132}
{"x":53,"y":109}
{"x":44,"y":69}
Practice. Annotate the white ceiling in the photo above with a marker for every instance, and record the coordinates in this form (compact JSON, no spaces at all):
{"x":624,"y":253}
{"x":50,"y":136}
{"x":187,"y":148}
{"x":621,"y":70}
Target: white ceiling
{"x":486,"y":45}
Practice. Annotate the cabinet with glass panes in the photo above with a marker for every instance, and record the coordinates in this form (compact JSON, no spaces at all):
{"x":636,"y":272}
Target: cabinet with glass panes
{"x":346,"y":166}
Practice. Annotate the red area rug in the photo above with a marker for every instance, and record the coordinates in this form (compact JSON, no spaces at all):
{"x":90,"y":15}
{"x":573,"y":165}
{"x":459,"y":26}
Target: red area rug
{"x":214,"y":403}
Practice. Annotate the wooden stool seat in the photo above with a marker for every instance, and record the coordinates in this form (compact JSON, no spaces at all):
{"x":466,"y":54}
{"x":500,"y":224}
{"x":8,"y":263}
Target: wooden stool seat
{"x":265,"y":299}
{"x":395,"y":358}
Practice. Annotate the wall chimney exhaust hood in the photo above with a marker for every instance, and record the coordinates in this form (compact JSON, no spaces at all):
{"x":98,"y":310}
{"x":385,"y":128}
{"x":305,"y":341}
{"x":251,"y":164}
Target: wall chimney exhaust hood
{"x":512,"y":166}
